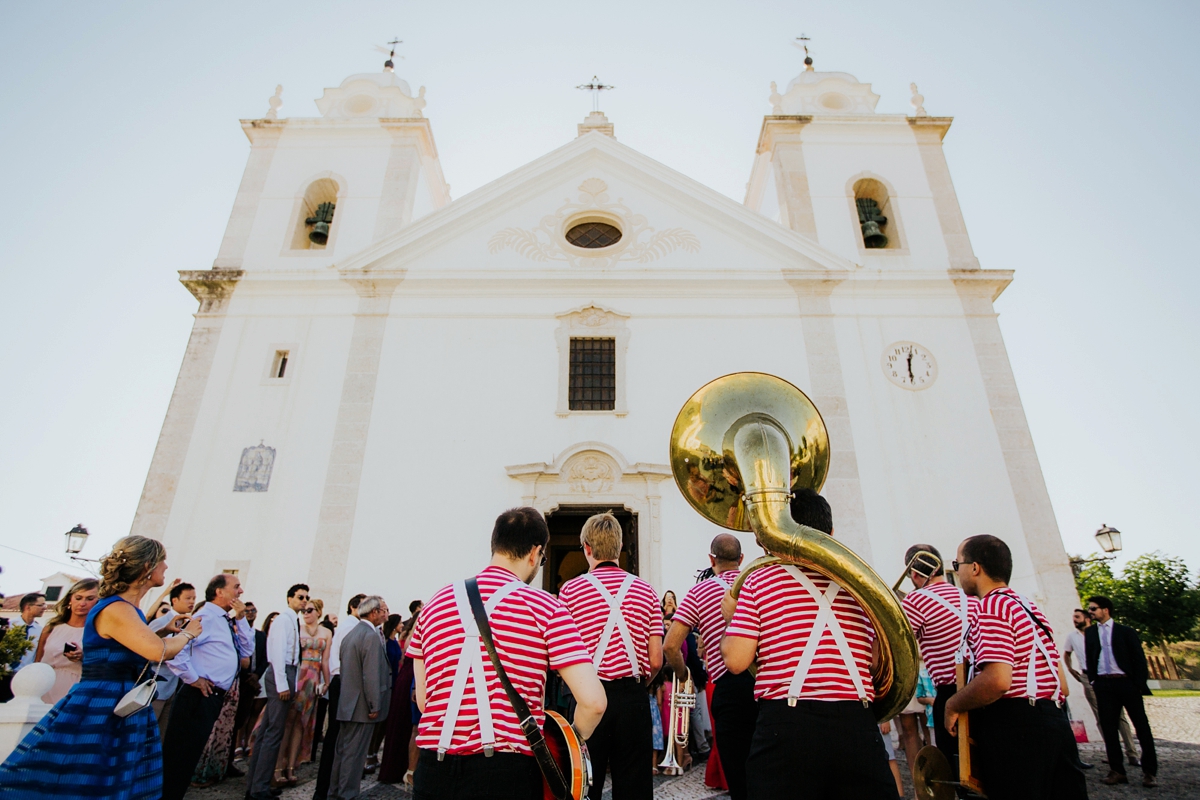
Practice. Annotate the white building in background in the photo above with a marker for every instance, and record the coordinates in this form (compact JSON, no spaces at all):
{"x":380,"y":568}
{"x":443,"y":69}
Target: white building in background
{"x":354,"y":414}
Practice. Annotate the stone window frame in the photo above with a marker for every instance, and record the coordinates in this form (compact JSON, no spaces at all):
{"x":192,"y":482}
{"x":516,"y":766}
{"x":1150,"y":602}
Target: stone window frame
{"x":299,"y":214}
{"x":890,"y":209}
{"x":591,"y":322}
{"x":293,"y":351}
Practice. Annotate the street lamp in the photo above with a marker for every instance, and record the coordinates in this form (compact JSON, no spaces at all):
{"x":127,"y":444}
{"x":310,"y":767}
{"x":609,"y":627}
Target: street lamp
{"x":76,"y":538}
{"x":1109,"y":539}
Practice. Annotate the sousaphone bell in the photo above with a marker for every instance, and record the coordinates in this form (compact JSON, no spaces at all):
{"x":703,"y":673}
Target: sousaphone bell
{"x":739,"y":446}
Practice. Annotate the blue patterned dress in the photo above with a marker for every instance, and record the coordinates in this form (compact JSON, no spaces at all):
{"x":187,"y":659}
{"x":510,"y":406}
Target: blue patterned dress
{"x":81,"y":748}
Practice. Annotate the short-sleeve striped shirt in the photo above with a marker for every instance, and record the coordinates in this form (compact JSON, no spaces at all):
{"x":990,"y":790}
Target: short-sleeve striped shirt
{"x":1003,"y":634}
{"x":701,"y":610}
{"x":532,"y":631}
{"x":939,"y":631}
{"x":640,"y":609}
{"x":775,"y":609}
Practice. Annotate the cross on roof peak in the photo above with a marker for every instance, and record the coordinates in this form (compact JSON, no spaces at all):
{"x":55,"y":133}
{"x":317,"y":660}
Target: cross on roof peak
{"x":595,"y":87}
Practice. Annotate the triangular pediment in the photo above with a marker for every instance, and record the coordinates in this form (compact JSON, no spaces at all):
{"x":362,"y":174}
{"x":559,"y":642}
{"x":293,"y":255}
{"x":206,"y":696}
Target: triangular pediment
{"x":667,"y":222}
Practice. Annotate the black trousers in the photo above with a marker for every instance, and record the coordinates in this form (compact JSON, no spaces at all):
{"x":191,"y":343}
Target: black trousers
{"x":945,"y":742}
{"x":624,"y":742}
{"x":1025,"y":751}
{"x":1112,"y":695}
{"x":329,"y":743}
{"x":504,"y":776}
{"x":187,"y":734}
{"x":734,"y":713}
{"x":817,"y":749}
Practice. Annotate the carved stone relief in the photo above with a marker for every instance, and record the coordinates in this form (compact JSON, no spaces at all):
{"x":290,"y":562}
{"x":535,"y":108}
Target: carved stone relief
{"x":639,"y":242}
{"x":590,"y":473}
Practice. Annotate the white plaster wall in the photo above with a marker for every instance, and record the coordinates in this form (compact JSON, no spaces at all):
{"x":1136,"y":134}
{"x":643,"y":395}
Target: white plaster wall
{"x":835,"y":151}
{"x":931,"y":466}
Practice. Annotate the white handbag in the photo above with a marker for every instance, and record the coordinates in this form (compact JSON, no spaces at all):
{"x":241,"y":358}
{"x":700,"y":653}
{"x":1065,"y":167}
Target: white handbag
{"x":143,"y":693}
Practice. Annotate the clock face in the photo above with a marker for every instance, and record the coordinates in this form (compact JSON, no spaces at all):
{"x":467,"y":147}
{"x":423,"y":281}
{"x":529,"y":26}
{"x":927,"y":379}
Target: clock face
{"x":909,"y":366}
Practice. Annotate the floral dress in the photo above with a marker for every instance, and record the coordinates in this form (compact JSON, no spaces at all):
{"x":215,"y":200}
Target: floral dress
{"x":308,"y":678}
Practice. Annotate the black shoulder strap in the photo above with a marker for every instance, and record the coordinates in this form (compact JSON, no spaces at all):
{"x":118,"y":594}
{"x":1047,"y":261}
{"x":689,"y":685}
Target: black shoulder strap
{"x":529,"y":726}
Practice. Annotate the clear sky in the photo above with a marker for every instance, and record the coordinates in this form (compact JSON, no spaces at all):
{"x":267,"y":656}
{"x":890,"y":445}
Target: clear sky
{"x":1072,"y":152}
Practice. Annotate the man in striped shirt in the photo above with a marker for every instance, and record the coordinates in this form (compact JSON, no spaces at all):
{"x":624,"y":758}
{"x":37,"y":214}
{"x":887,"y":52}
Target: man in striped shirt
{"x":621,"y":623}
{"x":1024,"y":746}
{"x":734,"y":708}
{"x":940,"y":614}
{"x":470,"y":740}
{"x":815,"y":735}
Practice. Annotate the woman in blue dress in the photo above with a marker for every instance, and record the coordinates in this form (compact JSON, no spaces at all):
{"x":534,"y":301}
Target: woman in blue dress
{"x":81,"y":749}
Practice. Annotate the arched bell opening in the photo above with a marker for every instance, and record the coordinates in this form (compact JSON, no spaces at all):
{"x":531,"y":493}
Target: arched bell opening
{"x":314,"y":226}
{"x":876,"y":218}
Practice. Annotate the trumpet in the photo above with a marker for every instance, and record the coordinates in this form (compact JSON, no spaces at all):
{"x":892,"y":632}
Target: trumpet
{"x":683,"y":700}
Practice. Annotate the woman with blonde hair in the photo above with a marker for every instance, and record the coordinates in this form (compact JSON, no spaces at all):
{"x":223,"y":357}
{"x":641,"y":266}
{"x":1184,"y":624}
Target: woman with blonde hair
{"x":62,"y":639}
{"x":81,"y":749}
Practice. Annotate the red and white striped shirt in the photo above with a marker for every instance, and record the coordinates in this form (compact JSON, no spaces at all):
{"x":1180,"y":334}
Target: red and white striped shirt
{"x":639,"y":608}
{"x":532,"y":631}
{"x":1003,"y":633}
{"x":701,"y":610}
{"x":778,"y":611}
{"x":939,"y":630}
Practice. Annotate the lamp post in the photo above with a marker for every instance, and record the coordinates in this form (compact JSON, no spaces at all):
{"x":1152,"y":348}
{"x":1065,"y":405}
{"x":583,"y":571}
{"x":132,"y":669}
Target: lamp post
{"x":76,"y":538}
{"x":1109,"y":540}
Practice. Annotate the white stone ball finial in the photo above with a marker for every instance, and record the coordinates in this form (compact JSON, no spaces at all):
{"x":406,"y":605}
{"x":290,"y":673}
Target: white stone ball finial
{"x":917,"y":102}
{"x":33,"y":681}
{"x":275,"y":102}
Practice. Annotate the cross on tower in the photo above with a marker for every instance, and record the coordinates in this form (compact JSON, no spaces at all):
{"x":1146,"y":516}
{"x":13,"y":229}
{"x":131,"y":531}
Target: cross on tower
{"x":391,"y":53}
{"x":802,"y":43}
{"x":595,"y":87}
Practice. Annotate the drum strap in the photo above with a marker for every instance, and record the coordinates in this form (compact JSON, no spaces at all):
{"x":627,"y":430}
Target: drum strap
{"x":1038,"y":647}
{"x":825,"y":619}
{"x":533,"y":734}
{"x":470,"y":666}
{"x":616,"y":622}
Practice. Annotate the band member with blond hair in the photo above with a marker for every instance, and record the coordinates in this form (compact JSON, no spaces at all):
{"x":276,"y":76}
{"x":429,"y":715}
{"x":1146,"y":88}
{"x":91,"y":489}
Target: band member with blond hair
{"x":814,"y":644}
{"x":1024,"y":746}
{"x":940,"y":614}
{"x":734,"y":708}
{"x":470,"y":739}
{"x":621,"y":623}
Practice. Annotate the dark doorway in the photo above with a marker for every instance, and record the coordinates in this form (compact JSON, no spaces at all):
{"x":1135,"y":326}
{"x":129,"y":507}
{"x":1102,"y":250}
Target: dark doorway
{"x":566,"y":554}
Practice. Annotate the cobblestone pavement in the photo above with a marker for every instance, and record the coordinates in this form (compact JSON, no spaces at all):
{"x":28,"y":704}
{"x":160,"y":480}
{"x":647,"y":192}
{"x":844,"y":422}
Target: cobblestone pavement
{"x":1175,"y":721}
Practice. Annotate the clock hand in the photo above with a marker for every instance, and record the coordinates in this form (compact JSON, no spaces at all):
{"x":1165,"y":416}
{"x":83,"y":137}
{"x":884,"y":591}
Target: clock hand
{"x":910,"y":373}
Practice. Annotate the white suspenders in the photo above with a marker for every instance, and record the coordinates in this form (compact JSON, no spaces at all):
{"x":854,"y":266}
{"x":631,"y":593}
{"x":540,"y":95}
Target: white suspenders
{"x":960,"y":612}
{"x":1038,"y":647}
{"x":470,"y":664}
{"x":825,"y":620}
{"x":616,"y":621}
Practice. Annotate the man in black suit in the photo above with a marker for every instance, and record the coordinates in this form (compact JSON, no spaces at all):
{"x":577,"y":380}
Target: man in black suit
{"x":1116,"y":668}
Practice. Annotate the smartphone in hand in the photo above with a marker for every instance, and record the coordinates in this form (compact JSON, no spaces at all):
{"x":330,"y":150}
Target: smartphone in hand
{"x":70,"y":647}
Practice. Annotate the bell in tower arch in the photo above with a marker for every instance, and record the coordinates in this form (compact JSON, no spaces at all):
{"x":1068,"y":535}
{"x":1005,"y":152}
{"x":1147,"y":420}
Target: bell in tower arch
{"x":320,"y":223}
{"x":872,"y":222}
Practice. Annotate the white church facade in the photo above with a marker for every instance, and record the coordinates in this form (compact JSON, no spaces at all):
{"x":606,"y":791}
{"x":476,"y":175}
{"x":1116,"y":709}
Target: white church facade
{"x":376,"y":371}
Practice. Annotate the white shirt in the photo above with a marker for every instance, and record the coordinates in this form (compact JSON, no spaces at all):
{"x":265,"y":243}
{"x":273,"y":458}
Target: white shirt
{"x":344,"y":627}
{"x":1107,"y":665}
{"x":283,"y":647}
{"x":168,"y":681}
{"x":33,"y":631}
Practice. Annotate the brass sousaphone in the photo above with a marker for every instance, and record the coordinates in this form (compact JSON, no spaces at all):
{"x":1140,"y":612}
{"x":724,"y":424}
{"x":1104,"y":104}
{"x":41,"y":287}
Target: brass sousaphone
{"x":739,"y":446}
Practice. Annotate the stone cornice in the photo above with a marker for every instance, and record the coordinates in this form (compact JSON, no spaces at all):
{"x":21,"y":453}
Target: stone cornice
{"x":940,"y":125}
{"x":989,"y":282}
{"x":773,"y":125}
{"x":212,"y":287}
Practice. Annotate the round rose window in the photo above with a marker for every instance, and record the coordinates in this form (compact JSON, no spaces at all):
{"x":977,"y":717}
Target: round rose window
{"x":594,"y":235}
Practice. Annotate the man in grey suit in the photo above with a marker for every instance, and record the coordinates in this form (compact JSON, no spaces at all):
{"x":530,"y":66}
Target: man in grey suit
{"x":366,"y":695}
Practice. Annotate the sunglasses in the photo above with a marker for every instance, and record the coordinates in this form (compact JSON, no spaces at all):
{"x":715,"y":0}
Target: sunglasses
{"x":310,"y":611}
{"x":957,"y":564}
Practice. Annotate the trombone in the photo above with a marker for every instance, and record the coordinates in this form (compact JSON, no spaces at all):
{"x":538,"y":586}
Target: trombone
{"x":683,"y":700}
{"x":924,"y":562}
